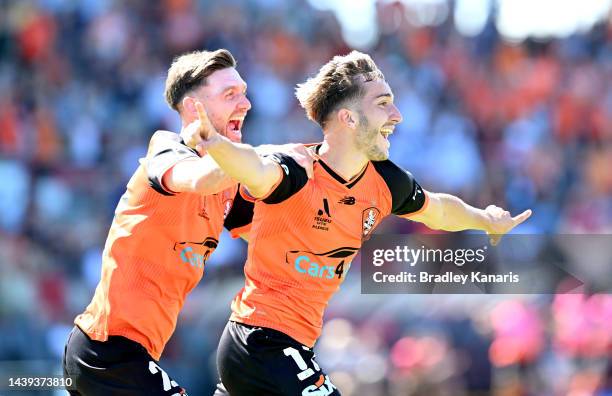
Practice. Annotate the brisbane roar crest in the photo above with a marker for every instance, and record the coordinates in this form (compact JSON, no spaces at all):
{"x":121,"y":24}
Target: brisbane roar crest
{"x":227,"y":206}
{"x":228,"y":201}
{"x":369,"y":220}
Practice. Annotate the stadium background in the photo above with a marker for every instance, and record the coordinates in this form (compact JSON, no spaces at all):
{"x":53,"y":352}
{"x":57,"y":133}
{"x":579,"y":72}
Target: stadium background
{"x":489,"y":114}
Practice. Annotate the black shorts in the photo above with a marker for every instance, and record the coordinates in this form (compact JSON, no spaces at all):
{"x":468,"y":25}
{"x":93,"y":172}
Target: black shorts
{"x":255,"y":361}
{"x":118,"y":366}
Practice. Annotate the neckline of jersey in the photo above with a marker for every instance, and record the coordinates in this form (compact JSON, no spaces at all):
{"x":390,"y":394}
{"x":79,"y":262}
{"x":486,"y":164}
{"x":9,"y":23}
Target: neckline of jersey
{"x":335,"y":175}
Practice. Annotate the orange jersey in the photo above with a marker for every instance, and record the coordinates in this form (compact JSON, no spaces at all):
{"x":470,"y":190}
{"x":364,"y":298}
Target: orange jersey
{"x":304,"y":236}
{"x":155,"y":252}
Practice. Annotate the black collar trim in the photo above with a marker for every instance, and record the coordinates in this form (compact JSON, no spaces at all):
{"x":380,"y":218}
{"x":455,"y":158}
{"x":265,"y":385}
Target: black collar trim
{"x":340,"y":179}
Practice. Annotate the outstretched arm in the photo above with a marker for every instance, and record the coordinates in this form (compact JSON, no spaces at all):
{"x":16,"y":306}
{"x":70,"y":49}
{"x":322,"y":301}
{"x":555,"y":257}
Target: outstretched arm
{"x":448,"y":212}
{"x":242,"y":163}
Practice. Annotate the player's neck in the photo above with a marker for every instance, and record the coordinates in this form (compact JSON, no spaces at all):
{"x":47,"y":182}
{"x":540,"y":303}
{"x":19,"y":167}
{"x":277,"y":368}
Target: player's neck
{"x":342,"y":157}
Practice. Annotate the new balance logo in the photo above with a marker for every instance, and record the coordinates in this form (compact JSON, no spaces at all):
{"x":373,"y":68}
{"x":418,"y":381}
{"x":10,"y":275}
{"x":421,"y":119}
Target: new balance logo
{"x":347,"y":200}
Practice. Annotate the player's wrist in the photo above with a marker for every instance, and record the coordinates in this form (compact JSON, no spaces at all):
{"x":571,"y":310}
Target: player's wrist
{"x":484,"y":220}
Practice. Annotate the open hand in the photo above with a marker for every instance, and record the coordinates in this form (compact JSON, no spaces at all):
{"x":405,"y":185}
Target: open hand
{"x":301,"y":154}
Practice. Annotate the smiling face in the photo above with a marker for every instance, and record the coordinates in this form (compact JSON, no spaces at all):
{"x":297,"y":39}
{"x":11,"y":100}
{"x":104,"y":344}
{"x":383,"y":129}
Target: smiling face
{"x":377,"y":116}
{"x":224,"y":98}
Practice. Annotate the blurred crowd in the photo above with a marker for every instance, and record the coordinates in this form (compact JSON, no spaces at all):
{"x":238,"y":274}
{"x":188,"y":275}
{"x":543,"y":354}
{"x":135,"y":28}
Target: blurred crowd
{"x":521,"y":125}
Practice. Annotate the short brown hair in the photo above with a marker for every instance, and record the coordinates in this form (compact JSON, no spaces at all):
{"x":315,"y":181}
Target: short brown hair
{"x":339,"y":81}
{"x":188,"y":71}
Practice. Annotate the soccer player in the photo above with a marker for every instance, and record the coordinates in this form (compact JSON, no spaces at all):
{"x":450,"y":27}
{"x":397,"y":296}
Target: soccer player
{"x":305,"y":232}
{"x":166,"y":226}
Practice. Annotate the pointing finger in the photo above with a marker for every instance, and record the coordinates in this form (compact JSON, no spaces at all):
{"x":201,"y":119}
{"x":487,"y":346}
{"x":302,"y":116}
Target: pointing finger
{"x":201,"y":111}
{"x":203,"y":117}
{"x":522,"y":217}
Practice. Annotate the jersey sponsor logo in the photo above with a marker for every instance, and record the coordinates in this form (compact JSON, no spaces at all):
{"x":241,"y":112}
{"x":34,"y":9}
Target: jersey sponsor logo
{"x":369,"y":217}
{"x":328,"y":265}
{"x":323,"y":218}
{"x":347,"y":200}
{"x":325,"y":209}
{"x":189,"y":255}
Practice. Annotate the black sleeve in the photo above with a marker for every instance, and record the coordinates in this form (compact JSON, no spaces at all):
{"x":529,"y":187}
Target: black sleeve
{"x":165,"y":154}
{"x":294,"y":178}
{"x":241,"y":213}
{"x":406,"y":194}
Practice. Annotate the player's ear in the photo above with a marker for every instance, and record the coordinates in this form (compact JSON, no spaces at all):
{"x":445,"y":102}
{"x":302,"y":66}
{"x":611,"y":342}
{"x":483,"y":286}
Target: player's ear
{"x":347,"y":118}
{"x":188,"y":106}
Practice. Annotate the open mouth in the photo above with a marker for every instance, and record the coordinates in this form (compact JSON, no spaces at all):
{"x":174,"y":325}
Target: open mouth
{"x":235,"y":124}
{"x":385,"y":132}
{"x":232,"y":129}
